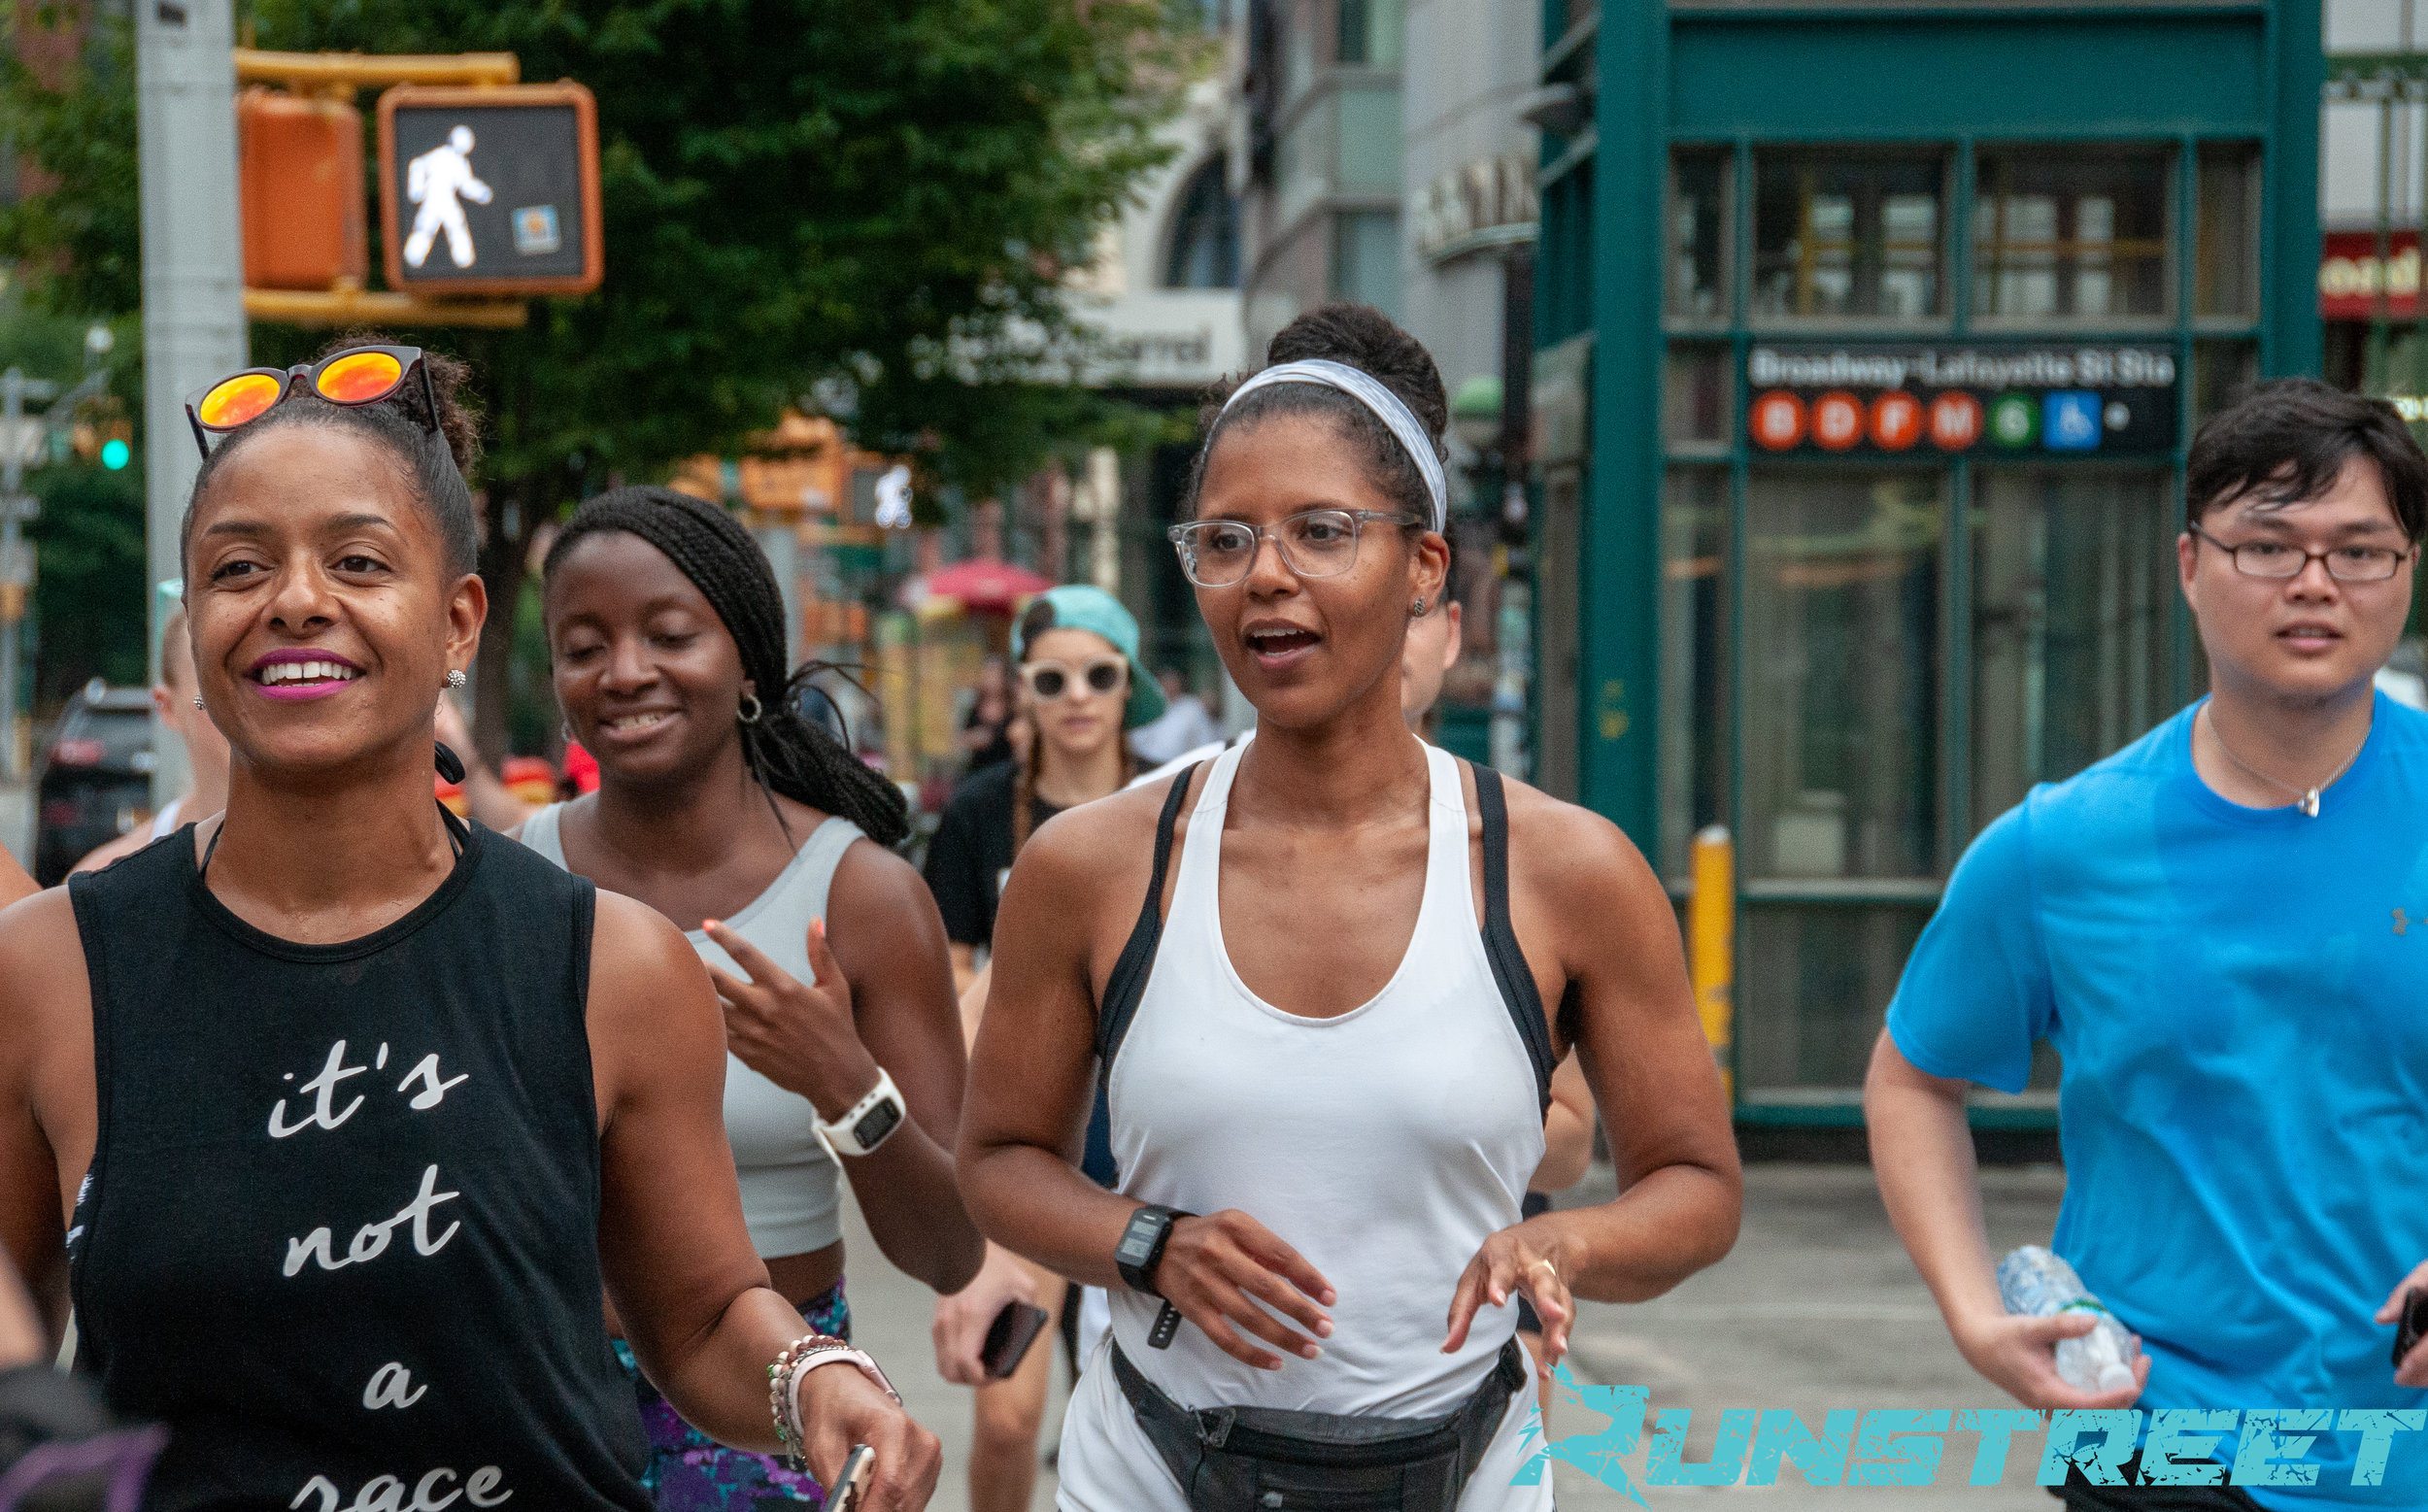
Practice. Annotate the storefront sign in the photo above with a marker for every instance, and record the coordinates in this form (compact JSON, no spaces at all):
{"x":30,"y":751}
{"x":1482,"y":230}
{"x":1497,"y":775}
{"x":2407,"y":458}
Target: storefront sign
{"x":2349,"y":273}
{"x":1489,"y":202}
{"x":1958,"y":399}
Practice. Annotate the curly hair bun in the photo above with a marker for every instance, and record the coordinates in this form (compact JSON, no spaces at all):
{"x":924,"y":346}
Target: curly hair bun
{"x":1362,"y":336}
{"x":459,"y":421}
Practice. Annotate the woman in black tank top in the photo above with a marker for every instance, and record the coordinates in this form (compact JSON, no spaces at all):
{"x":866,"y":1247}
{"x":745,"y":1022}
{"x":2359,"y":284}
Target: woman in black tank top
{"x":336,"y":1114}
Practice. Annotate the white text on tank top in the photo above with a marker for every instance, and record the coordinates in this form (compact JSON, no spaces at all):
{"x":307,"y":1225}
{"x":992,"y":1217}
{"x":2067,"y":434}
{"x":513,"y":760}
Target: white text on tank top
{"x":1385,"y":1145}
{"x":791,"y":1187}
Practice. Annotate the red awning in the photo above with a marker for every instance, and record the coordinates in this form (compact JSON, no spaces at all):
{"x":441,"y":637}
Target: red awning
{"x":986,"y":586}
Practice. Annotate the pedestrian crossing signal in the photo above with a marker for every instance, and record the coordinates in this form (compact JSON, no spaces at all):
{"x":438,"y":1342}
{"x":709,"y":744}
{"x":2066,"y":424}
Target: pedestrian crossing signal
{"x":489,"y":190}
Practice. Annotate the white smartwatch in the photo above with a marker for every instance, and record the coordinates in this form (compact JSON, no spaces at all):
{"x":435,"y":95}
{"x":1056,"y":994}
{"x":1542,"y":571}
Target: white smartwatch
{"x":870,"y":1123}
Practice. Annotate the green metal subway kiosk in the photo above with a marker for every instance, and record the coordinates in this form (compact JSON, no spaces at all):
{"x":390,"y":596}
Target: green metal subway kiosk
{"x":1870,"y":339}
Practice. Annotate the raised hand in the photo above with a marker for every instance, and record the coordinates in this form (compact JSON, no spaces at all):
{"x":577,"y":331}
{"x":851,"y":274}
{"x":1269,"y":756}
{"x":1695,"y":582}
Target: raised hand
{"x":799,"y":1036}
{"x":1212,"y":1265}
{"x":1512,"y":1260}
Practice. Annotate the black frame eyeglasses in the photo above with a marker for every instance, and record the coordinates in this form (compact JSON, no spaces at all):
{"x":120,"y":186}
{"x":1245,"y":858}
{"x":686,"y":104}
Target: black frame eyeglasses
{"x":2264,"y":560}
{"x":352,"y":377}
{"x":1196,"y":541}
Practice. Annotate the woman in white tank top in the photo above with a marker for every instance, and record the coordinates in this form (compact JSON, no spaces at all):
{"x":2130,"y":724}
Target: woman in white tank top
{"x":1316,"y":971}
{"x":722,"y":807}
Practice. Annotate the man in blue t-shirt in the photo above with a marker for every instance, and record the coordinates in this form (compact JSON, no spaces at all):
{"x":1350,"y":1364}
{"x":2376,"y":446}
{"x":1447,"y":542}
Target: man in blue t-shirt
{"x":2223,"y":928}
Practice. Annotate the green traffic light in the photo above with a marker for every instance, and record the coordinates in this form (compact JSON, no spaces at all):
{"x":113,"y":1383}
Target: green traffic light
{"x":116,"y":454}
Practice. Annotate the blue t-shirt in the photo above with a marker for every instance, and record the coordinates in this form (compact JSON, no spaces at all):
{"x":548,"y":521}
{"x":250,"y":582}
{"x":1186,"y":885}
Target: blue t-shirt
{"x":2241,"y":998}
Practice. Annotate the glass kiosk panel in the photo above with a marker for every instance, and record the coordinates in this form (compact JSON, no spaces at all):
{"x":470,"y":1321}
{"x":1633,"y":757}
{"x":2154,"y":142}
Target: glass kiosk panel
{"x":2074,"y":588}
{"x":1848,"y":235}
{"x":2072,"y":237}
{"x":1842,"y":672}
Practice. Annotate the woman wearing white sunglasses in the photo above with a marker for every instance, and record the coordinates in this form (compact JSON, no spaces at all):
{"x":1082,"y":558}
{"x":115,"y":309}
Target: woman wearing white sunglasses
{"x":1080,"y":690}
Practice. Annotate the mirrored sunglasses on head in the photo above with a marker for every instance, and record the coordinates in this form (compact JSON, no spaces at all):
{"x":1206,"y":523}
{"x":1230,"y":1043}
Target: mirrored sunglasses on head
{"x":1051,"y":680}
{"x":352,"y":377}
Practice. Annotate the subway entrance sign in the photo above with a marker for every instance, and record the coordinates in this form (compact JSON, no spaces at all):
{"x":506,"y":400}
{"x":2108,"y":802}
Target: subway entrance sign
{"x":489,"y":190}
{"x":2017,"y":400}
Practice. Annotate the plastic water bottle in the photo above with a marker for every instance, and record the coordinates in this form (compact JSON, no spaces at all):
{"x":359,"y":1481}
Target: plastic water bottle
{"x":2035,"y":1283}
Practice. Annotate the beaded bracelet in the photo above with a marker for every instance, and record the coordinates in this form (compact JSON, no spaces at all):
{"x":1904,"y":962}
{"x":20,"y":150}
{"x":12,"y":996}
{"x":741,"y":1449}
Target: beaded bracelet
{"x":783,"y":1376}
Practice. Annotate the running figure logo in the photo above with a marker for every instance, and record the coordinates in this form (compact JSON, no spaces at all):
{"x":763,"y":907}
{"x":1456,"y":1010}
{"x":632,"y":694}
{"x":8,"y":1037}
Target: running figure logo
{"x":436,"y":180}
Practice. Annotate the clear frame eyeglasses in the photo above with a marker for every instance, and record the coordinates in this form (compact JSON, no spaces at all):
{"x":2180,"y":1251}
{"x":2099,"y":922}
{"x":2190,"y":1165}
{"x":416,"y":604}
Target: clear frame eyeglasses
{"x":1314,"y":543}
{"x":2283,"y":560}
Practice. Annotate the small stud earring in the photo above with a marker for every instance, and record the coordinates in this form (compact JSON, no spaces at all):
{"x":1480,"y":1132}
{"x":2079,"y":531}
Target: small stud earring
{"x":1416,"y":609}
{"x":454,"y":678}
{"x":564,"y":727}
{"x":198,"y":700}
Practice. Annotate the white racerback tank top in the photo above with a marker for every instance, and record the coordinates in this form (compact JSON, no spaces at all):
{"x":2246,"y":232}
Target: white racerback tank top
{"x":1385,"y":1145}
{"x":788,"y":1183}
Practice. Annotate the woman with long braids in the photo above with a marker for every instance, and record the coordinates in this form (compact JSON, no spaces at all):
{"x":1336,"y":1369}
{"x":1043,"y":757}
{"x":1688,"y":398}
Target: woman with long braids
{"x":759,"y":834}
{"x":1320,"y":1011}
{"x":351,"y":1118}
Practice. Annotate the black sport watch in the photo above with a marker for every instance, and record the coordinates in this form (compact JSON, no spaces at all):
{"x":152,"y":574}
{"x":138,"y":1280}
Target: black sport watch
{"x":1141,"y":1249}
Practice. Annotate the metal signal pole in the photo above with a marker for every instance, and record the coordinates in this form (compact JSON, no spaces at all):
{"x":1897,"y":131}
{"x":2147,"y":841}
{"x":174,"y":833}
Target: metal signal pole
{"x":193,"y":273}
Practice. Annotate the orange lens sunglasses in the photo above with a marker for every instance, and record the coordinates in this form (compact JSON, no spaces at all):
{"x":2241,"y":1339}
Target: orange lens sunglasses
{"x":355,"y":376}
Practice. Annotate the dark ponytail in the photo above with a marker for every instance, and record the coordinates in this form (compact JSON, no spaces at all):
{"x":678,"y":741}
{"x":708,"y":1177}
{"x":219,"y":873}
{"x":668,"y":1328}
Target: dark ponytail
{"x":787,"y":751}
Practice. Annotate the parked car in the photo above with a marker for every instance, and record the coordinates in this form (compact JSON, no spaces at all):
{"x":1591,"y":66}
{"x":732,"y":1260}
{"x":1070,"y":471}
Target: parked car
{"x":94,"y":781}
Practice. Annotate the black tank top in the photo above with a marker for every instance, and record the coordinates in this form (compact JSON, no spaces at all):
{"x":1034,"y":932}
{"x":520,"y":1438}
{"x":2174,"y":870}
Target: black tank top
{"x":341,"y":1229}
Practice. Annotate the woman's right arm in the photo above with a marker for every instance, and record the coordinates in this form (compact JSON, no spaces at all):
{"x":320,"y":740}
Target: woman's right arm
{"x":1062,"y":920}
{"x":46,"y":1118}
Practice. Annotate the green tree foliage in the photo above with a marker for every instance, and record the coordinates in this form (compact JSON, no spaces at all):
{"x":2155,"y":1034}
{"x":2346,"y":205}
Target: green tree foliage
{"x":873,"y":201}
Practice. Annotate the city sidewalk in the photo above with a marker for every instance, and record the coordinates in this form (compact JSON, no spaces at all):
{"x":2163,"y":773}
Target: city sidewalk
{"x":1817,"y":1307}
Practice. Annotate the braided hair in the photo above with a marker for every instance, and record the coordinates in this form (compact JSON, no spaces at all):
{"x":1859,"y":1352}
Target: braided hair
{"x":786,"y":752}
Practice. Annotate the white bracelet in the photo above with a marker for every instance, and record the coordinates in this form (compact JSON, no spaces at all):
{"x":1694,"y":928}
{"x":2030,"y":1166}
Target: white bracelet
{"x":811,"y":1359}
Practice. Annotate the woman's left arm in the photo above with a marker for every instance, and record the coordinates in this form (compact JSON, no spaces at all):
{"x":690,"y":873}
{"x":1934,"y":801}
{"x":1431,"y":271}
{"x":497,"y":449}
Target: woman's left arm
{"x":691,"y":1296}
{"x":1599,"y":935}
{"x":898,"y":1011}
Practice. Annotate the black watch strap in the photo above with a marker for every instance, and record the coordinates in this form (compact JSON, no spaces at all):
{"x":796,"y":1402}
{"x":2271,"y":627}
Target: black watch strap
{"x":1142,"y":1244}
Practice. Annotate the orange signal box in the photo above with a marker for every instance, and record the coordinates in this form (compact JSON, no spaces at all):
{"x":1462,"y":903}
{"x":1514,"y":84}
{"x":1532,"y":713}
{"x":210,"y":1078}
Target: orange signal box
{"x":300,"y":168}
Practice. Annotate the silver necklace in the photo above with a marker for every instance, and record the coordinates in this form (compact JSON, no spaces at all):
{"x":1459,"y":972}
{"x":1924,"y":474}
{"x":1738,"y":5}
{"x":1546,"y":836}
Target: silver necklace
{"x":2306,"y":798}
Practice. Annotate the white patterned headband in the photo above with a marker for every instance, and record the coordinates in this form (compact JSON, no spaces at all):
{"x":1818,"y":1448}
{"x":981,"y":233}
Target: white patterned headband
{"x":1370,"y":392}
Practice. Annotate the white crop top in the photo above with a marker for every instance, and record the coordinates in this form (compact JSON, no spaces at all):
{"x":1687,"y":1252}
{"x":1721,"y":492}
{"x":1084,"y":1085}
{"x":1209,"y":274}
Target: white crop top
{"x":788,"y":1193}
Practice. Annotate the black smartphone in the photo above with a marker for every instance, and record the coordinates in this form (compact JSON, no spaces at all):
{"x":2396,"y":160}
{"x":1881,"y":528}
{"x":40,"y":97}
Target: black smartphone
{"x":2412,"y":1325}
{"x":1008,"y":1338}
{"x":844,"y":1496}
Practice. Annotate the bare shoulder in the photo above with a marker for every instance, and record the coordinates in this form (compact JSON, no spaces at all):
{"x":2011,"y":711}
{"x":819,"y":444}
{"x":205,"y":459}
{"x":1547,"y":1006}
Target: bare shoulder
{"x":118,"y":850}
{"x":42,"y":962}
{"x":1566,"y":845}
{"x":640,"y":962}
{"x":1097,"y":849}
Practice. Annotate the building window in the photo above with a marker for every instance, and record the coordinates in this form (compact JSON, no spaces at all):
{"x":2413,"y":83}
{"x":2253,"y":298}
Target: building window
{"x":1365,"y":260}
{"x":1841,"y":649}
{"x":1204,"y":251}
{"x":1369,"y":139}
{"x":1813,"y":990}
{"x":1848,"y":236}
{"x":1369,"y":33}
{"x":1694,"y":662}
{"x":1699,"y":235}
{"x":2225,"y":267}
{"x":2070,"y":236}
{"x":2074,"y":588}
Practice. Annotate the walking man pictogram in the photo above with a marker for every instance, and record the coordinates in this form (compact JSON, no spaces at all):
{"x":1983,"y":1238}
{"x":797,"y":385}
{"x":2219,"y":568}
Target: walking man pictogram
{"x":434,"y":181}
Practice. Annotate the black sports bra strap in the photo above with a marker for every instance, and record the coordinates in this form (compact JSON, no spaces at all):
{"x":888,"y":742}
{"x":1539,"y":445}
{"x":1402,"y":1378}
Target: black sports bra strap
{"x":1518,"y":991}
{"x":1129,"y":982}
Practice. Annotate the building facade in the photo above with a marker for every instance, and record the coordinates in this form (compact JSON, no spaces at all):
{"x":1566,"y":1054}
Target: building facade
{"x":1871,"y":338}
{"x":1316,"y":159}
